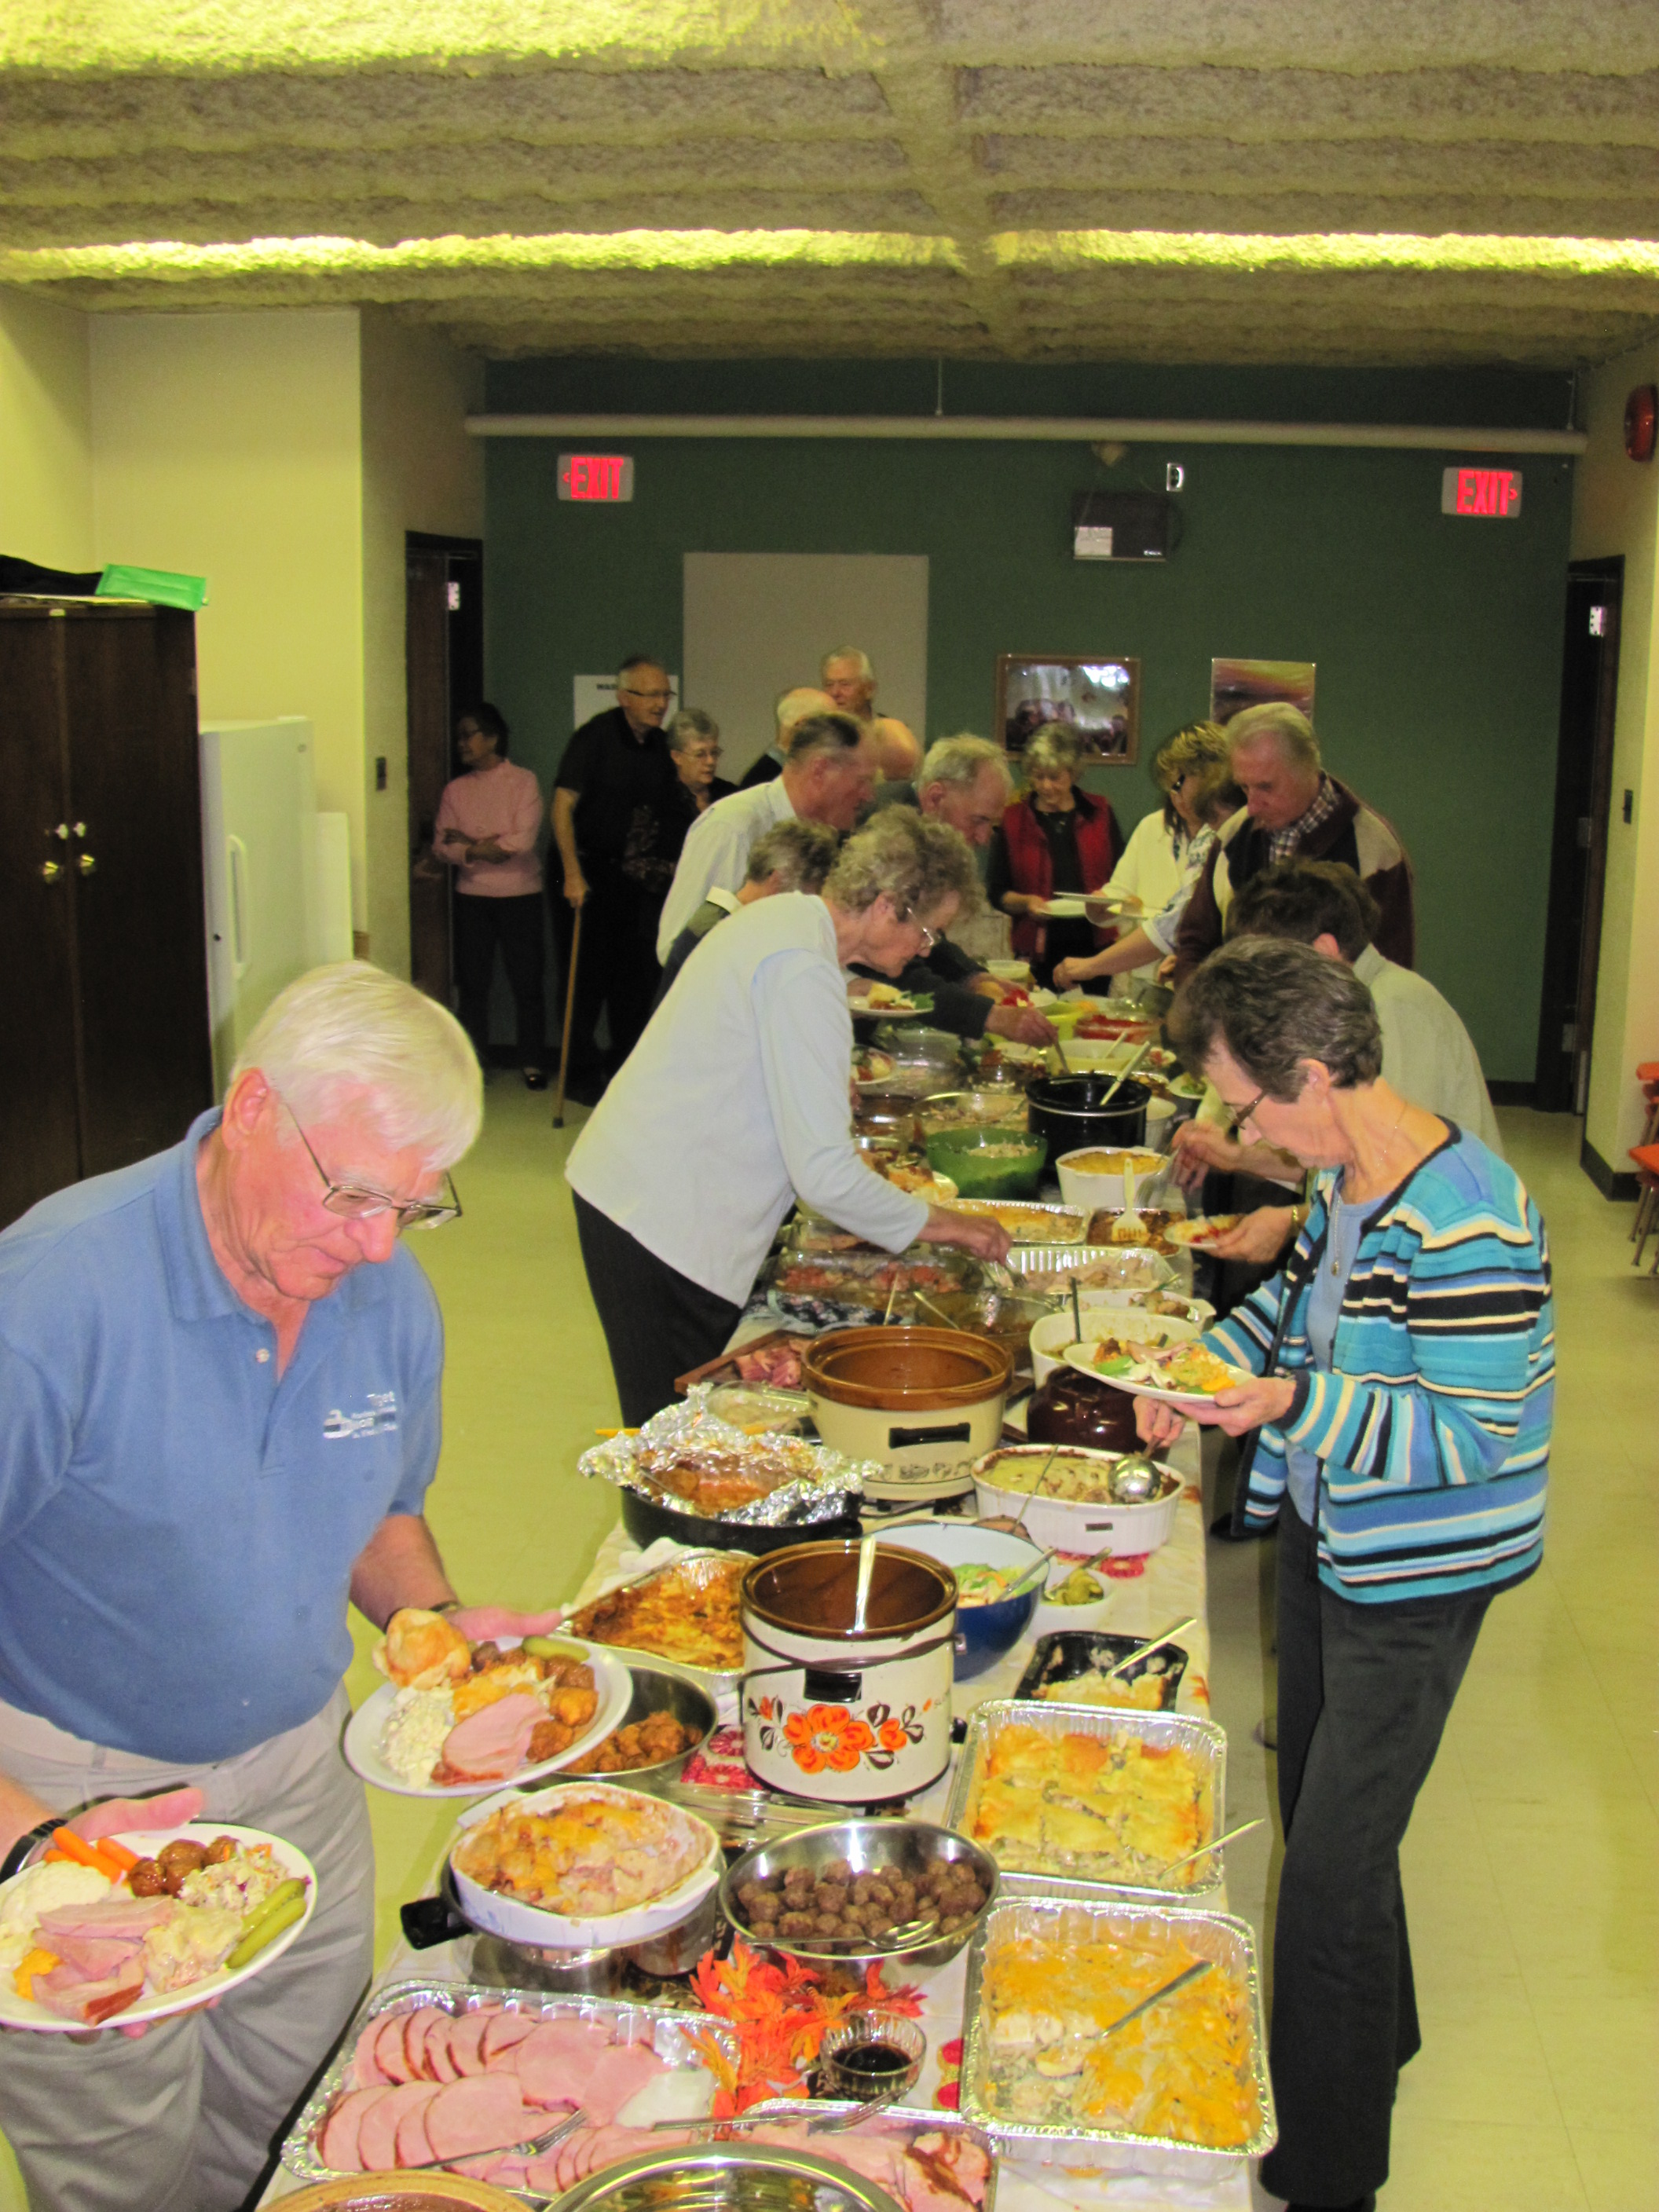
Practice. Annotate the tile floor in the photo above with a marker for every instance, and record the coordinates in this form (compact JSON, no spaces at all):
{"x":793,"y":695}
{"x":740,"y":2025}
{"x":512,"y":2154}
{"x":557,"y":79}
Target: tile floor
{"x":1530,"y":1865}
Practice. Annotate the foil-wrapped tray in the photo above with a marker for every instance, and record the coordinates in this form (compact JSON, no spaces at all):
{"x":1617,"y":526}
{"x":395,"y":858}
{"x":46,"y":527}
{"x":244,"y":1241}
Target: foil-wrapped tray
{"x":1080,"y":2148}
{"x":821,"y":1485}
{"x":669,"y":2034}
{"x":1204,"y":1742}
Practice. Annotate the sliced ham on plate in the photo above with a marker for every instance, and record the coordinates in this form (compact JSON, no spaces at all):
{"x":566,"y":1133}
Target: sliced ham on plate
{"x":417,"y":2027}
{"x":391,"y":2053}
{"x":555,"y":2062}
{"x":621,"y":2071}
{"x":72,"y":1996}
{"x":377,"y":2127}
{"x":132,"y":1917}
{"x":481,"y":2113}
{"x":466,"y":2037}
{"x":336,"y":2144}
{"x":413,"y":2146}
{"x":492,"y":1743}
{"x":505,"y":2032}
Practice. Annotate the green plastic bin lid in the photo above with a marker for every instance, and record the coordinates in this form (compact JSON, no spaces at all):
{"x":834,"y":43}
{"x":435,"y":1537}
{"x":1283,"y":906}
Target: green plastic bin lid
{"x":159,"y":586}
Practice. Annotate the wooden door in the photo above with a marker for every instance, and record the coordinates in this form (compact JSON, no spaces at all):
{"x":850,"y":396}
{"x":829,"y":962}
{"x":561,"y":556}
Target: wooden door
{"x":40,"y":1143}
{"x":135,"y":847}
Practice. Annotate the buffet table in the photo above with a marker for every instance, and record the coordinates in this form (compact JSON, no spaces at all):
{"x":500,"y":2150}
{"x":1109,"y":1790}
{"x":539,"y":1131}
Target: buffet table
{"x":1169,"y":1586}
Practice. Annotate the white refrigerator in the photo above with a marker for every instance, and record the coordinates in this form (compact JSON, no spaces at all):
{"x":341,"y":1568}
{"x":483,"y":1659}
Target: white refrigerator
{"x":278,"y":882}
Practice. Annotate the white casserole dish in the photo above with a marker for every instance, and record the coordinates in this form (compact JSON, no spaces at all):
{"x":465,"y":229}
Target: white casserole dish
{"x":495,"y":1914}
{"x":1079,"y":1526}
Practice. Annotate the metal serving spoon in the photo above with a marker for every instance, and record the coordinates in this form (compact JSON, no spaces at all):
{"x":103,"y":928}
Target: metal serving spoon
{"x":1214,"y":1845}
{"x":1189,"y":1974}
{"x":1141,"y":1651}
{"x":1134,"y":1480}
{"x":557,"y":2134}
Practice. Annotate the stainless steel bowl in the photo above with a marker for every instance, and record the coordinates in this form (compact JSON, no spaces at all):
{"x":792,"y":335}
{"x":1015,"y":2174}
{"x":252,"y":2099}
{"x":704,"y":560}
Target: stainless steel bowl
{"x":908,"y":1847}
{"x":659,"y":1689}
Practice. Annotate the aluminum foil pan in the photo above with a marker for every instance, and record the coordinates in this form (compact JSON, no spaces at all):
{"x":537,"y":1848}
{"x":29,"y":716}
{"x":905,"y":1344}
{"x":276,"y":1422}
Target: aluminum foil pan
{"x":822,"y":1486}
{"x":696,"y":1567}
{"x":669,"y":2034}
{"x":1202,"y":1740}
{"x":1084,"y":2149}
{"x":1132,"y":1266}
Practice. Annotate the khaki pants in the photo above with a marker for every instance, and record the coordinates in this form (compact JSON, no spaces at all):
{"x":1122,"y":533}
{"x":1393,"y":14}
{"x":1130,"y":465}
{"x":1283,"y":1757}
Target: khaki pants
{"x":188,"y":2118}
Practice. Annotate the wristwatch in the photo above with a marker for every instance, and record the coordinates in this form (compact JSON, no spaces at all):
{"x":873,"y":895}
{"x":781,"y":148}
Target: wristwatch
{"x":18,"y":1857}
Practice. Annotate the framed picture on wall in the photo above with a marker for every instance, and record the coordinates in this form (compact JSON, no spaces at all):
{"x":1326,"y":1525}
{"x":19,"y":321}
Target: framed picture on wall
{"x":1099,"y":700}
{"x":1237,"y":685}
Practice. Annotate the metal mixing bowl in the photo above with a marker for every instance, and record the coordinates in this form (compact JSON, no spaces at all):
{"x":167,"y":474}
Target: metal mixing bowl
{"x":659,"y":1689}
{"x":907,"y":1847}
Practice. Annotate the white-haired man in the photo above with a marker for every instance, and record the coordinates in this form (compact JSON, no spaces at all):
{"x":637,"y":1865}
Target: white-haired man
{"x":965,"y":783}
{"x":221,"y":1377}
{"x":1293,"y":810}
{"x":829,"y":777}
{"x":787,"y":708}
{"x":848,"y":677}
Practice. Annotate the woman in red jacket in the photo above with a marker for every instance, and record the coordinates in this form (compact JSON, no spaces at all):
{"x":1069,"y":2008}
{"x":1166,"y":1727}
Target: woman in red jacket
{"x":1056,"y":840}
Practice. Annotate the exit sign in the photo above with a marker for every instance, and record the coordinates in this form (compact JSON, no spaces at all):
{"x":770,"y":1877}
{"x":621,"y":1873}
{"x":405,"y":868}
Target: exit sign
{"x":602,"y":477}
{"x":1492,"y":492}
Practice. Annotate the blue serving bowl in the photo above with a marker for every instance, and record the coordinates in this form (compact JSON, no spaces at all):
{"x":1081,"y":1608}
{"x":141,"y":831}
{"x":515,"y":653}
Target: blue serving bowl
{"x":984,"y":1632}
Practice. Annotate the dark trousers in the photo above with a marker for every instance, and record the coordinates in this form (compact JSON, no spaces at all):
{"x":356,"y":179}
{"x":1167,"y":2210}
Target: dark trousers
{"x":514,"y":924}
{"x":658,"y":1324}
{"x":616,"y":967}
{"x":1363,"y":1693}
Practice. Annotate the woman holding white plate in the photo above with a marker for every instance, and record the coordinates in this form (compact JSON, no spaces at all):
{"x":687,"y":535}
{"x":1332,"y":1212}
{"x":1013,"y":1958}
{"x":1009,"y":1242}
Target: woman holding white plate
{"x":1402,"y":1377}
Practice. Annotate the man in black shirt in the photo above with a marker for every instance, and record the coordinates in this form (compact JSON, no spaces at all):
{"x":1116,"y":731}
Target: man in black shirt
{"x":613,"y":809}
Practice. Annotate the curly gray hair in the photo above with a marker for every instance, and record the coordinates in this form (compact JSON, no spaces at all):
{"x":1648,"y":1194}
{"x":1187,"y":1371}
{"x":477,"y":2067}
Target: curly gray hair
{"x":915,"y":863}
{"x":961,"y":761}
{"x":800,"y":855}
{"x":1274,"y":1004}
{"x":1056,"y":745}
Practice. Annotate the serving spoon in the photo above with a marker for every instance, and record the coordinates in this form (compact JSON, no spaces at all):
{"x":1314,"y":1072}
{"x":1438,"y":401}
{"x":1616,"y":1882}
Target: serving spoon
{"x":1141,"y":1651}
{"x":1214,"y":1845}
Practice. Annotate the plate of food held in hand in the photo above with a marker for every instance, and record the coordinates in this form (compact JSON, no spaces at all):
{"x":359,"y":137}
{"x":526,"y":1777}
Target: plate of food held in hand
{"x":1187,"y":1374}
{"x":145,"y":1923}
{"x":1202,"y":1229}
{"x":458,"y":1719}
{"x":882,"y":999}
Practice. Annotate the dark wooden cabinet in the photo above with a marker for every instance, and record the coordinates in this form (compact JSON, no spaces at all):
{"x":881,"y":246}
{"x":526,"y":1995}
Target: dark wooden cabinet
{"x":105,"y":1054}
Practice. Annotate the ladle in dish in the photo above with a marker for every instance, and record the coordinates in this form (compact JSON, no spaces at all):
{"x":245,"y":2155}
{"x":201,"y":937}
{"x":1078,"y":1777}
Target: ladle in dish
{"x":1190,"y":1974}
{"x":1214,"y":1845}
{"x":866,"y":1570}
{"x":1134,"y":1480}
{"x":1018,"y":1529}
{"x":1123,"y":1076}
{"x":566,"y":2125}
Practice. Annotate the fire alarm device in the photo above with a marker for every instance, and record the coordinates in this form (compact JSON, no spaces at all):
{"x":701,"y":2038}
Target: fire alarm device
{"x":599,"y":479}
{"x":1641,"y":421}
{"x":1494,"y":493}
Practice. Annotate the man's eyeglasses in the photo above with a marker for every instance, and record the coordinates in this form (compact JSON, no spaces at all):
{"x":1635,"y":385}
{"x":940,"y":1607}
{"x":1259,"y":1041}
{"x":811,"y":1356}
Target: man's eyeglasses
{"x":353,"y":1202}
{"x":1238,"y":1118}
{"x":629,"y":692}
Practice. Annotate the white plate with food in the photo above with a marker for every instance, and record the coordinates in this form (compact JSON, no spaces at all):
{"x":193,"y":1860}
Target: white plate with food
{"x":1199,"y":1229}
{"x":1187,"y":1374}
{"x":589,"y":1863}
{"x":896,"y":1008}
{"x":443,"y":1714}
{"x":102,"y":1953}
{"x":1061,"y":909}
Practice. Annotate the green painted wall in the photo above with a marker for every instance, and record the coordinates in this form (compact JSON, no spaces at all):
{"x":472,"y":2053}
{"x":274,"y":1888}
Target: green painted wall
{"x":1437,"y":641}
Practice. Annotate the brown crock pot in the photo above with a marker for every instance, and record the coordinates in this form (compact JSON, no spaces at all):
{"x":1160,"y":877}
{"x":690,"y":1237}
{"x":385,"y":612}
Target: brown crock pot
{"x":1078,"y":1409}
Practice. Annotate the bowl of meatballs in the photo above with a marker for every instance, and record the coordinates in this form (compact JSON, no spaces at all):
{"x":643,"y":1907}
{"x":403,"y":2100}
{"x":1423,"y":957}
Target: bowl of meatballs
{"x":859,"y":1893}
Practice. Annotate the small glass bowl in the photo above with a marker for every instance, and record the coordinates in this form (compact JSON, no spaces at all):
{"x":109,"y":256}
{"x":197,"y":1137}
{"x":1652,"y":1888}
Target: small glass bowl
{"x":838,"y":2079}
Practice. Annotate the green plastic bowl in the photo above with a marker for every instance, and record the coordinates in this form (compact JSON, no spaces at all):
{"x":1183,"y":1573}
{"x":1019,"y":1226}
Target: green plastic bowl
{"x":960,"y":1154}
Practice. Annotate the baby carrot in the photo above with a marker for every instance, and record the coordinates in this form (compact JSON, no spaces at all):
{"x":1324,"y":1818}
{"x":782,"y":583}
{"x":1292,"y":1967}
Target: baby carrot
{"x":110,"y":1848}
{"x":92,"y":1854}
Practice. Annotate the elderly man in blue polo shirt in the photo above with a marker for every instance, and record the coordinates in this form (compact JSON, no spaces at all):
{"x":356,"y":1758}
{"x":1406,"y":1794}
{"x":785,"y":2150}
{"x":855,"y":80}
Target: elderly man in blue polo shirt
{"x":221,"y":1376}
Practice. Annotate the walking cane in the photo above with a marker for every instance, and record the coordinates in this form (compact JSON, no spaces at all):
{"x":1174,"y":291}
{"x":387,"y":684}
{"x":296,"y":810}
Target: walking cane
{"x":570,"y":1014}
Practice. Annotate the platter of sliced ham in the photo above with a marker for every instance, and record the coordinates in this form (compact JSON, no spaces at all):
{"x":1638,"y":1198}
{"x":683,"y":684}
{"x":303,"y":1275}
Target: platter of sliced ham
{"x":489,"y":1746}
{"x":118,"y":1959}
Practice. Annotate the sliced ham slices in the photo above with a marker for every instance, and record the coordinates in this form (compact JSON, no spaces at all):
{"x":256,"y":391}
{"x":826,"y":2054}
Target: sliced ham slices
{"x":492,"y":1743}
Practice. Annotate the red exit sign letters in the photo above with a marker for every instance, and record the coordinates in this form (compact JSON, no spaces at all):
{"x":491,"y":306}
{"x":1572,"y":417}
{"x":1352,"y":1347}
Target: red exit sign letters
{"x":599,"y":478}
{"x":1495,"y":492}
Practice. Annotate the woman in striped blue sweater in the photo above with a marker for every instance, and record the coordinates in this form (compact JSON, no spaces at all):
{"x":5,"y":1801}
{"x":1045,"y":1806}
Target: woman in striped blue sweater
{"x":1401,"y":1366}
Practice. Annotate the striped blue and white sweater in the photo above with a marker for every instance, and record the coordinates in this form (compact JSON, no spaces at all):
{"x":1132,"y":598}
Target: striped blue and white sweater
{"x":1433,"y":1427}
